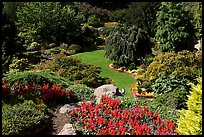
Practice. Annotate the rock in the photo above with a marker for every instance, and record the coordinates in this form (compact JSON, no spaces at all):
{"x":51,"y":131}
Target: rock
{"x":67,"y":130}
{"x":66,"y":107}
{"x":108,"y":89}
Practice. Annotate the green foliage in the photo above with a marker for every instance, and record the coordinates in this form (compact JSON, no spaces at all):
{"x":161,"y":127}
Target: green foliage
{"x":82,"y":92}
{"x":182,"y":64}
{"x":94,"y":21}
{"x":175,"y":31}
{"x":8,"y":40}
{"x":74,"y":70}
{"x":168,"y":84}
{"x":175,"y":99}
{"x":34,"y":46}
{"x":190,"y":121}
{"x":118,"y":15}
{"x":126,"y":44}
{"x":49,"y":22}
{"x":75,"y":47}
{"x":198,"y":20}
{"x":22,"y":119}
{"x":164,"y":111}
{"x":143,"y":15}
{"x":18,"y":65}
{"x":39,"y":78}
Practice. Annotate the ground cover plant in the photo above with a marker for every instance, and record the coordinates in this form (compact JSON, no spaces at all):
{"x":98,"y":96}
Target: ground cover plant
{"x":23,"y":118}
{"x":107,"y":118}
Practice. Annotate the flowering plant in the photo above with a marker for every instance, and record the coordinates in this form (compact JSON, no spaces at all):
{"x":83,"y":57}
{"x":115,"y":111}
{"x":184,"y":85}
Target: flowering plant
{"x":107,"y":118}
{"x":140,"y":92}
{"x":42,"y":94}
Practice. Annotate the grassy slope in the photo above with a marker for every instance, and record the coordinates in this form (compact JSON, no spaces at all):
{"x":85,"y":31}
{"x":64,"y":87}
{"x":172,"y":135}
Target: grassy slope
{"x":97,"y":58}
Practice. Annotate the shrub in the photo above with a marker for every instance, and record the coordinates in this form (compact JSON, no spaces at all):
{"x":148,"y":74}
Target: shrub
{"x":126,"y":44}
{"x":175,"y":31}
{"x":39,"y":78}
{"x":22,"y":119}
{"x":108,"y":118}
{"x":18,"y":65}
{"x":198,"y":20}
{"x":118,"y":15}
{"x":190,"y":121}
{"x":34,"y":46}
{"x":94,"y":21}
{"x":75,"y":47}
{"x":74,"y":70}
{"x":168,"y":84}
{"x":182,"y":64}
{"x":82,"y":92}
{"x":49,"y":22}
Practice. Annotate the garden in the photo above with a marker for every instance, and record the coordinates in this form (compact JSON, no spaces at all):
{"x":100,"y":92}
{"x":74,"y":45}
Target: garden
{"x":58,"y":53}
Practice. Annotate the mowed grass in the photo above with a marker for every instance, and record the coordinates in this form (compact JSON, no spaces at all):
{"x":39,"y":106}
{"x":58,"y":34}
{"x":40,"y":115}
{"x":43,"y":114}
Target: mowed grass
{"x":97,"y":58}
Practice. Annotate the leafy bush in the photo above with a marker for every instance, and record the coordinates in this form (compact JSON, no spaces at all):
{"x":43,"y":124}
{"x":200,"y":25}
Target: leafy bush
{"x":82,"y":92}
{"x":175,"y":31}
{"x":75,"y":47}
{"x":167,"y":84}
{"x":190,"y":121}
{"x":182,"y":64}
{"x":143,"y":15}
{"x":49,"y":22}
{"x":94,"y":21}
{"x":126,"y":44}
{"x":39,"y":78}
{"x":118,"y":15}
{"x":198,"y":20}
{"x":19,"y":65}
{"x":34,"y":46}
{"x":74,"y":70}
{"x":22,"y":119}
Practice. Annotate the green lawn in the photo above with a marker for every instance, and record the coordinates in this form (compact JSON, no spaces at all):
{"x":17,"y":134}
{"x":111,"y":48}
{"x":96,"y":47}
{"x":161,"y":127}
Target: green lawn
{"x":97,"y":58}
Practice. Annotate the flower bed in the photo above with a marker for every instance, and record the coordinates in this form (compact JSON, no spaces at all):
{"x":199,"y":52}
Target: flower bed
{"x":124,"y":71}
{"x":107,"y":118}
{"x":43,"y":93}
{"x":143,"y":92}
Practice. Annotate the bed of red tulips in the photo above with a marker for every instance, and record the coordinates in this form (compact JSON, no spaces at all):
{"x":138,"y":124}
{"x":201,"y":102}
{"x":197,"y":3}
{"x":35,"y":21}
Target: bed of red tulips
{"x":107,"y":118}
{"x":43,"y":93}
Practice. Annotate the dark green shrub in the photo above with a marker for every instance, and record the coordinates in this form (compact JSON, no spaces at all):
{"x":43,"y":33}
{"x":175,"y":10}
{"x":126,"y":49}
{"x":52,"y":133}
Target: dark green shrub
{"x":198,"y":20}
{"x":82,"y":92}
{"x":22,"y":119}
{"x":74,"y":70}
{"x":143,"y":15}
{"x":175,"y":31}
{"x":30,"y":77}
{"x":94,"y":21}
{"x":118,"y":15}
{"x":49,"y":22}
{"x":126,"y":45}
{"x":75,"y":47}
{"x":168,"y":84}
{"x":175,"y":99}
{"x":184,"y":64}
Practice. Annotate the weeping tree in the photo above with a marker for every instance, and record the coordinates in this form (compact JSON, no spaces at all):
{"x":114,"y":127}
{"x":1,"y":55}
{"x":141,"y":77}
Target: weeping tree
{"x":125,"y":45}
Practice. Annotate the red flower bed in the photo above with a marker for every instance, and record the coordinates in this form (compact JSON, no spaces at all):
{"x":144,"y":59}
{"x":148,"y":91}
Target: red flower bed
{"x":43,"y":93}
{"x":107,"y":118}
